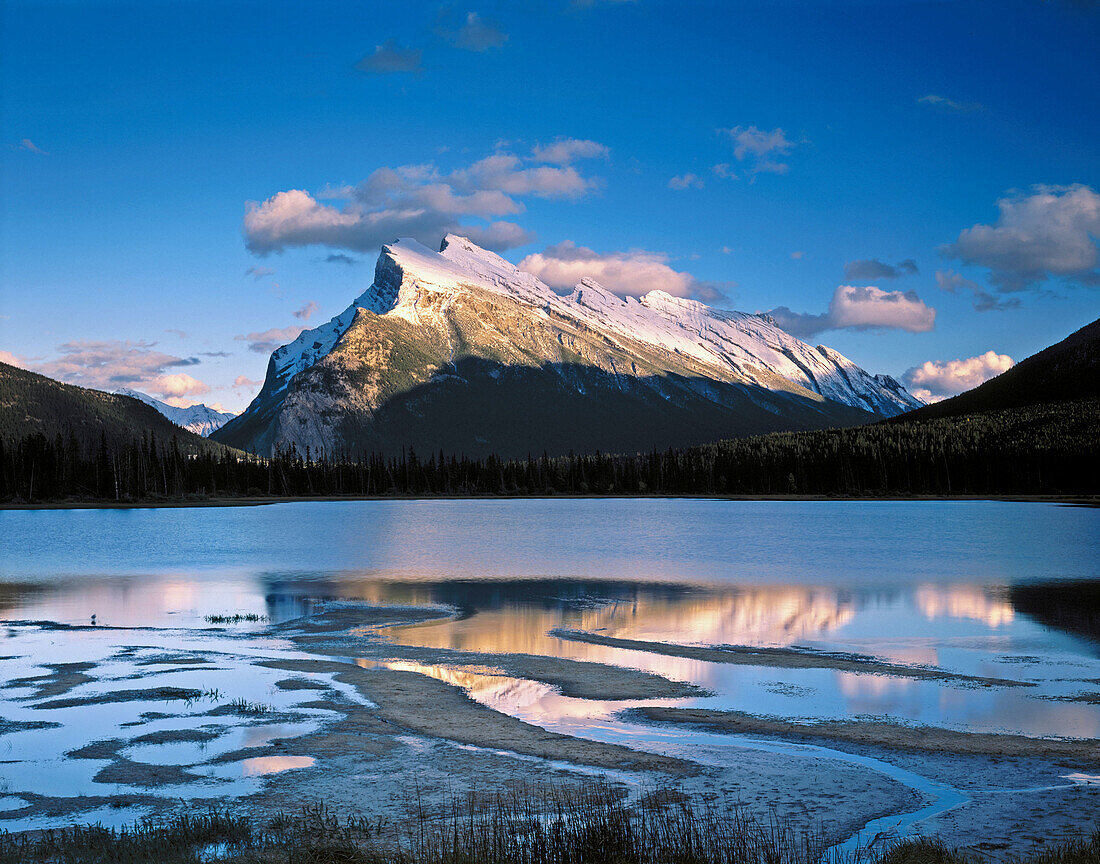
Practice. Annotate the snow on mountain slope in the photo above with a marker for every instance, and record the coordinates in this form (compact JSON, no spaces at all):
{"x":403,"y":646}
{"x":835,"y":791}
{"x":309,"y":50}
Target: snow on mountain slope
{"x":200,"y":419}
{"x":750,"y":346}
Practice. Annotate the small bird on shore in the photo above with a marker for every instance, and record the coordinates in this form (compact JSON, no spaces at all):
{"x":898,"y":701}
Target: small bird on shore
{"x":93,"y":619}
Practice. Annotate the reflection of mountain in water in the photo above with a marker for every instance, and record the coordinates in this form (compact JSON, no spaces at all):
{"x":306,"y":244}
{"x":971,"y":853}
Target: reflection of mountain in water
{"x":1073,"y":607}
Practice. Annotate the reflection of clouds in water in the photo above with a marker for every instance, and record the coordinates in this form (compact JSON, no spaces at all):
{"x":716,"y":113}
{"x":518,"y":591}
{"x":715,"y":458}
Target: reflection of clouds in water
{"x":532,"y":701}
{"x":259,"y":765}
{"x":856,"y":686}
{"x":131,"y":601}
{"x":964,"y":601}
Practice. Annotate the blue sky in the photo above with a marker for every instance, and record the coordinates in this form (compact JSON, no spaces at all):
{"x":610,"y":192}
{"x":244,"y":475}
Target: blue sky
{"x":755,"y":155}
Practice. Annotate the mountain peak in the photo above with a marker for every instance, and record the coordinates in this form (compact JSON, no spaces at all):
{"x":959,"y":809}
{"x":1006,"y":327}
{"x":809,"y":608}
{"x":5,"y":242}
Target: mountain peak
{"x":439,"y":317}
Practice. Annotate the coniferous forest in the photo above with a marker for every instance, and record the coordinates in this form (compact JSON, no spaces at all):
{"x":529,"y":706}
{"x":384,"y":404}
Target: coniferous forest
{"x":1039,"y":449}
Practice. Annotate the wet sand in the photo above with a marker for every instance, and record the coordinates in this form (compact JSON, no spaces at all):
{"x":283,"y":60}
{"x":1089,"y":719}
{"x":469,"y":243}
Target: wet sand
{"x":389,"y":735}
{"x":786,"y":658}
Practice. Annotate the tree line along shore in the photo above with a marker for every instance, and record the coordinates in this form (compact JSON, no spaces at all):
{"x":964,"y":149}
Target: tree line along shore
{"x":1048,"y":449}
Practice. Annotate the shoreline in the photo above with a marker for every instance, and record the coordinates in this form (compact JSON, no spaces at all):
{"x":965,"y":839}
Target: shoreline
{"x":264,"y":500}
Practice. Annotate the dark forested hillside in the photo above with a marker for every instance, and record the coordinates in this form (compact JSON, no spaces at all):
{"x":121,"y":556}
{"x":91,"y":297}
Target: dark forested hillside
{"x":34,"y":404}
{"x":1048,"y":449}
{"x":1066,"y":371}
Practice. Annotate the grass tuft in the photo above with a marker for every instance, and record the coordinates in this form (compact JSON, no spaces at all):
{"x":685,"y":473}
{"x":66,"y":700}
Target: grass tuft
{"x":594,"y":826}
{"x":250,"y":617}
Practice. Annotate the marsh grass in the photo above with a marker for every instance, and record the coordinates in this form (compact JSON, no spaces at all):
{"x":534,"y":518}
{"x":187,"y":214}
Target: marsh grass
{"x":595,"y":826}
{"x":249,"y":709}
{"x":248,"y":617}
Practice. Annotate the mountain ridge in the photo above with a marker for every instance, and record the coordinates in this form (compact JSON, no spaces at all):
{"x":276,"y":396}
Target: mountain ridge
{"x":395,"y":363}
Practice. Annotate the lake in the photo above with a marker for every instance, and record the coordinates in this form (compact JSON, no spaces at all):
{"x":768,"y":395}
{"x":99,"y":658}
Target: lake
{"x":976,"y":591}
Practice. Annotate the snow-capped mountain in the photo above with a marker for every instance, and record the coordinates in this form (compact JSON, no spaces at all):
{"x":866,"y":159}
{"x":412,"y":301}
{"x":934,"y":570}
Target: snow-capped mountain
{"x":200,"y":419}
{"x":461,"y":350}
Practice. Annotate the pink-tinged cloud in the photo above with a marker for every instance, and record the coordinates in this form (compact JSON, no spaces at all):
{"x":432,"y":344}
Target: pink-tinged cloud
{"x":629,"y":274}
{"x":935,"y":380}
{"x":116,"y":365}
{"x":268,"y":340}
{"x":565,"y":151}
{"x":856,"y":307}
{"x":28,"y":145}
{"x":307,"y":311}
{"x":178,"y":385}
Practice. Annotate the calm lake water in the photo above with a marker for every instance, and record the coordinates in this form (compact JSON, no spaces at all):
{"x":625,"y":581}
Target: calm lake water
{"x":981,"y":588}
{"x":990,"y":589}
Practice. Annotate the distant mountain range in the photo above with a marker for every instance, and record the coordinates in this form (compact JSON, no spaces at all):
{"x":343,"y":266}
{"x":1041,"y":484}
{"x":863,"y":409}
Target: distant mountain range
{"x":200,"y":419}
{"x":461,"y":351}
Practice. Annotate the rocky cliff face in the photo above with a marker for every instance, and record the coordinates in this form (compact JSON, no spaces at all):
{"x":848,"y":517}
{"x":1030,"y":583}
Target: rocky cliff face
{"x":461,"y":351}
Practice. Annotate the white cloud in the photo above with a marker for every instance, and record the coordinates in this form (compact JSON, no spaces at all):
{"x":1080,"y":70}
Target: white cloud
{"x":861,"y":308}
{"x":949,"y":104}
{"x":417,"y":201}
{"x":112,"y":365}
{"x":565,"y":151}
{"x":474,"y":34}
{"x":723,"y":170}
{"x":629,"y":274}
{"x":934,"y":380}
{"x":390,"y":57}
{"x":759,"y":149}
{"x":306,"y":311}
{"x":686,"y":181}
{"x":1049,"y":232}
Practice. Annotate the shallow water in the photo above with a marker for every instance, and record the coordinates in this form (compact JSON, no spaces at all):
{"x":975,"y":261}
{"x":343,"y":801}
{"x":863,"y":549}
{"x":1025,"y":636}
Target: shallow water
{"x":976,"y":588}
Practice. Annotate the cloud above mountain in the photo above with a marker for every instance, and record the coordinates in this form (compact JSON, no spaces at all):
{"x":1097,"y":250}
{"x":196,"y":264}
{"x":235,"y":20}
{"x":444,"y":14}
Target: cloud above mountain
{"x":1048,"y":232}
{"x":854,"y":307}
{"x":424,"y":202}
{"x":628,"y":274}
{"x":935,"y":380}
